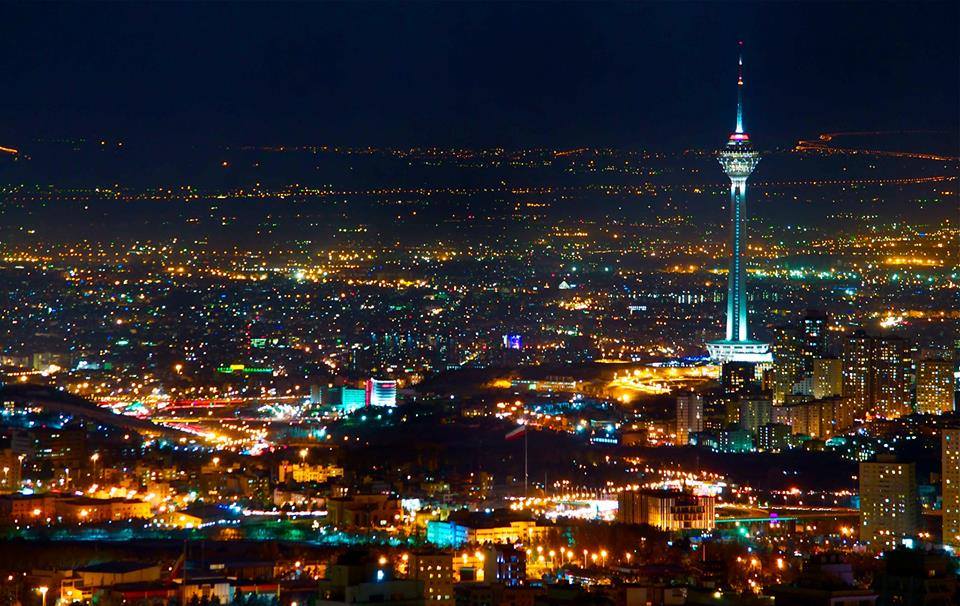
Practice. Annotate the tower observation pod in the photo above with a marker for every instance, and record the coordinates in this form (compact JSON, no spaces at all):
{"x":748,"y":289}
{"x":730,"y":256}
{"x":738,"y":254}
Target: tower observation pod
{"x":738,"y":159}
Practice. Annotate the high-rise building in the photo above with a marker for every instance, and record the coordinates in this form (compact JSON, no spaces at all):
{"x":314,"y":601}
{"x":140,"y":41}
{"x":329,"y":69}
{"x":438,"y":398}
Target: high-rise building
{"x":795,"y":348}
{"x":816,"y":418}
{"x":876,"y":375}
{"x":857,"y":357}
{"x":717,"y":410}
{"x":738,"y":159}
{"x":950,"y":474}
{"x":889,"y":502}
{"x":935,"y":386}
{"x":737,"y":378}
{"x":787,"y":350}
{"x":827,"y":378}
{"x":773,"y":437}
{"x":889,"y":385}
{"x":755,"y":412}
{"x":689,"y":416}
{"x":814,"y":331}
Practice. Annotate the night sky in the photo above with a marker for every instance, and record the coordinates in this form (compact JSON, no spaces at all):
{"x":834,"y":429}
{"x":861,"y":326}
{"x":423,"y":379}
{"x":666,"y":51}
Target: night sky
{"x":639,"y":75}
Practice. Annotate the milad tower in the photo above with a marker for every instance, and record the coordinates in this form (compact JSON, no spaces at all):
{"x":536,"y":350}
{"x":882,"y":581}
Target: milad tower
{"x":738,"y":160}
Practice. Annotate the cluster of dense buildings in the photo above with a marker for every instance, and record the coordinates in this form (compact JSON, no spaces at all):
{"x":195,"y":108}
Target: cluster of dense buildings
{"x":890,"y":507}
{"x":806,"y":391}
{"x":495,"y":575}
{"x":24,"y":509}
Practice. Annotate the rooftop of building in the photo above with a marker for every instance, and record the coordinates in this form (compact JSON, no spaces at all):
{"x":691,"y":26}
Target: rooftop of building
{"x":117,"y":567}
{"x":493,"y":519}
{"x":84,"y":500}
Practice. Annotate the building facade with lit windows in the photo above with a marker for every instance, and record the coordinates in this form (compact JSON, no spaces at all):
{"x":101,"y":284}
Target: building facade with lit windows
{"x":435,"y":570}
{"x":504,"y":564}
{"x":737,"y":378}
{"x":24,"y":508}
{"x":787,"y":351}
{"x":302,"y":473}
{"x":889,"y":502}
{"x":876,"y":375}
{"x":90,"y":511}
{"x":821,"y":419}
{"x":795,"y":349}
{"x":773,"y":437}
{"x":950,"y":453}
{"x":827,"y":377}
{"x":670,"y":510}
{"x":689,"y":416}
{"x":935,"y":386}
{"x":890,"y":385}
{"x":381,"y":393}
{"x":10,"y":470}
{"x":455,"y":533}
{"x":857,"y":356}
{"x":755,"y":412}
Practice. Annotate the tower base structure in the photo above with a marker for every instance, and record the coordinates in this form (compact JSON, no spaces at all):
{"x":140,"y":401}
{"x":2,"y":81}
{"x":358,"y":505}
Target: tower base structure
{"x":739,"y":351}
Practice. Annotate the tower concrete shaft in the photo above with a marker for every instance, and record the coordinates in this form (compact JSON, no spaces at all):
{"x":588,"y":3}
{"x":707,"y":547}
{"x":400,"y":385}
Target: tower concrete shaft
{"x":738,"y":166}
{"x":736,"y":294}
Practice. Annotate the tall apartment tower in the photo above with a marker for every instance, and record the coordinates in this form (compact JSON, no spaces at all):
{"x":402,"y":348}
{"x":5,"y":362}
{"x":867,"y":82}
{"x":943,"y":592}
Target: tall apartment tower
{"x":787,"y":350}
{"x":689,"y":416}
{"x":857,"y":353}
{"x":876,"y":373}
{"x":814,"y":330}
{"x":890,"y":387}
{"x":950,"y":473}
{"x":889,"y":502}
{"x":935,"y":386}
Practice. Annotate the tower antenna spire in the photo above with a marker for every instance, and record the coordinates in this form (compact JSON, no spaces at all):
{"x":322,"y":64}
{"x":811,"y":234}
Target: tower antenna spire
{"x":739,"y":130}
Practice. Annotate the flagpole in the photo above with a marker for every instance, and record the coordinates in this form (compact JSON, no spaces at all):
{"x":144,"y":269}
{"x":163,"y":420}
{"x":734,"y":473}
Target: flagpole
{"x":526,"y":430}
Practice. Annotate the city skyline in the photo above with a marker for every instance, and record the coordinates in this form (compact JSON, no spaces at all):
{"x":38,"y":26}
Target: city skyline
{"x":463,"y":304}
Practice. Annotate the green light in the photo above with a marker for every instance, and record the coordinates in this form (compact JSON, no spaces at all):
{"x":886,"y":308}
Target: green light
{"x":241,"y":369}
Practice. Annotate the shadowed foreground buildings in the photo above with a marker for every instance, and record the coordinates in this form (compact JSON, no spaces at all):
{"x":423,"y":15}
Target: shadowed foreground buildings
{"x":826,"y":580}
{"x":916,"y":577}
